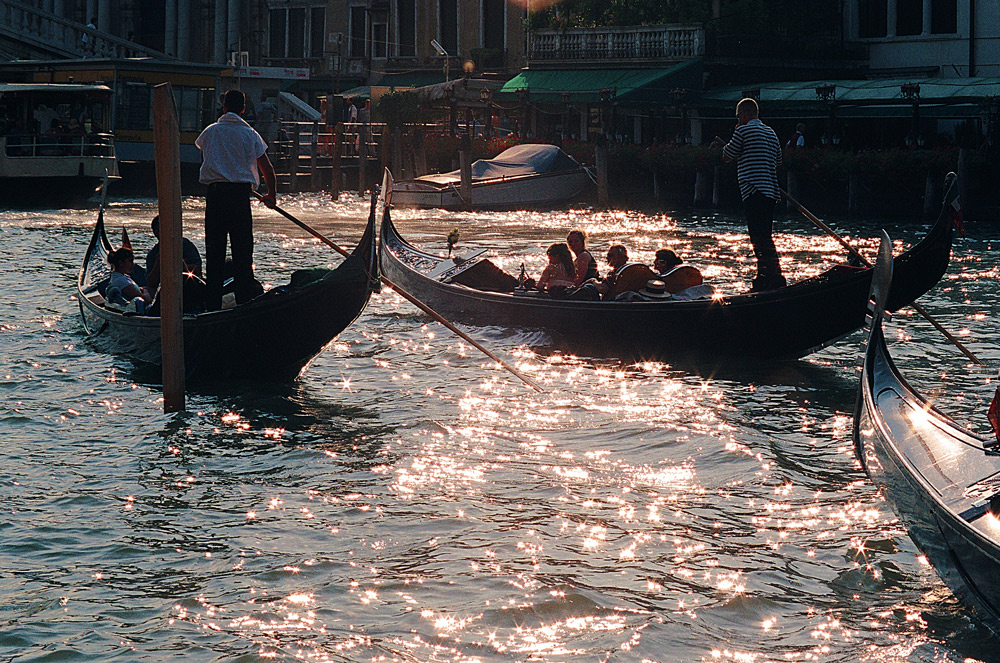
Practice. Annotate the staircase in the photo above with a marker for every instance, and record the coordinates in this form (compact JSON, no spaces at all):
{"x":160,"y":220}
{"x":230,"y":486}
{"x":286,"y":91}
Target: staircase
{"x":30,"y":32}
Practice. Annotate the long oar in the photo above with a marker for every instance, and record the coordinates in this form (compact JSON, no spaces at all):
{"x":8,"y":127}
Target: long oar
{"x":916,"y":307}
{"x":413,"y":300}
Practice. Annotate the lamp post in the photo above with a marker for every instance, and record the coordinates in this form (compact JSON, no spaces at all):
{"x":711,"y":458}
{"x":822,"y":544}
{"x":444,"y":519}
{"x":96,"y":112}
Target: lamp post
{"x":444,"y":54}
{"x":911,"y":91}
{"x":828,"y":94}
{"x":485,"y":96}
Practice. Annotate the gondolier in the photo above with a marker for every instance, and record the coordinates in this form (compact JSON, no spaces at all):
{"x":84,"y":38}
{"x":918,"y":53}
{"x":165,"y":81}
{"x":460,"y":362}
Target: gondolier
{"x":232,"y":152}
{"x":757,"y":152}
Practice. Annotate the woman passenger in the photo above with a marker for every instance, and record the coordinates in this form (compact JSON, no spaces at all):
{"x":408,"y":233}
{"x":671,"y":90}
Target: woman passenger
{"x":584,"y":263}
{"x":560,"y":274}
{"x":122,"y":290}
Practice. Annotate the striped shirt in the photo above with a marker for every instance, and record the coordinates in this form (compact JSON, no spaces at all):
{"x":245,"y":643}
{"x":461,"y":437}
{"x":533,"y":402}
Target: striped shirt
{"x":757,"y":152}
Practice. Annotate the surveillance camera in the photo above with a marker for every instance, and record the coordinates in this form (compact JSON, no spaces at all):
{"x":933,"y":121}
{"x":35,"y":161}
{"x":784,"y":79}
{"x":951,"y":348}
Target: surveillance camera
{"x":439,"y":48}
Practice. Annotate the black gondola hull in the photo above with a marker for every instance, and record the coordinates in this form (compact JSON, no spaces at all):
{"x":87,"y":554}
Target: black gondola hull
{"x":937,"y":478}
{"x":272,"y":337}
{"x":790,"y":322}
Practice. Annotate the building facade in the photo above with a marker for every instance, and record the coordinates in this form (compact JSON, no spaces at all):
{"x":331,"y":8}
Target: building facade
{"x":931,"y":38}
{"x":372,"y":38}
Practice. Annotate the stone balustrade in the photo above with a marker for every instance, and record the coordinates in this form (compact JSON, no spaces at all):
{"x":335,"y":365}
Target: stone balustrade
{"x":61,"y":37}
{"x":657,"y":42}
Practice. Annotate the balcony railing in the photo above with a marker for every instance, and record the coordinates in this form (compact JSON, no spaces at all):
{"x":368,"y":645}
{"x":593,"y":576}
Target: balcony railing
{"x":657,"y":42}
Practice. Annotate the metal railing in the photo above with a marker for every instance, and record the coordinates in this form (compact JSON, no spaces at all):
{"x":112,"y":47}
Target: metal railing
{"x":657,"y":42}
{"x":32,"y":145}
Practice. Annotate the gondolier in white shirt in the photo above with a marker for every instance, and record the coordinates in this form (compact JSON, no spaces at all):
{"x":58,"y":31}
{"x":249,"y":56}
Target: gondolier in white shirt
{"x":232,"y":152}
{"x":757,"y":152}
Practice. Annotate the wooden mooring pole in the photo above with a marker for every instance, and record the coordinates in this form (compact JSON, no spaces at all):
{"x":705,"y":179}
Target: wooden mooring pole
{"x":338,"y":149}
{"x":465,"y":170}
{"x":601,"y":165}
{"x":166,"y":141}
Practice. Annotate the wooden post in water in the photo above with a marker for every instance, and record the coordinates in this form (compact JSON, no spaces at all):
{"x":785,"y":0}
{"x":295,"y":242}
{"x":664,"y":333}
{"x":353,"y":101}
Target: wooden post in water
{"x":362,"y":160}
{"x":931,"y":197}
{"x":293,"y":160}
{"x":166,"y":140}
{"x":601,"y":163}
{"x":716,"y":184}
{"x":420,"y":153}
{"x":702,"y":186}
{"x":465,"y":164}
{"x":397,"y":152}
{"x":338,"y":148}
{"x":792,"y":184}
{"x":384,"y":148}
{"x":314,"y":158}
{"x":853,"y":193}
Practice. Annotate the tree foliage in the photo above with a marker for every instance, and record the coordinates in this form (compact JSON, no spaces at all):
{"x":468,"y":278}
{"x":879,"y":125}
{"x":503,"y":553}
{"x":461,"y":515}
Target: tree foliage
{"x":758,"y":18}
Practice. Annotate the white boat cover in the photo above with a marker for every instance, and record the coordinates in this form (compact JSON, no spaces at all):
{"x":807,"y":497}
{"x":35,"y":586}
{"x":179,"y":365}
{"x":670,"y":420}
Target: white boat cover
{"x":517,"y":161}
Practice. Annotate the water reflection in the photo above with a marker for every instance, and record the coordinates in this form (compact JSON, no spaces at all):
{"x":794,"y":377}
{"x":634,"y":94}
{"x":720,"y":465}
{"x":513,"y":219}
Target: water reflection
{"x":407,"y":500}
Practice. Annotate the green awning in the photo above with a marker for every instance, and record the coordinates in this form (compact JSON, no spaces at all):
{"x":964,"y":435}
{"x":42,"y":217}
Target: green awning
{"x":652,"y":86}
{"x":801,"y":96}
{"x":411,"y":79}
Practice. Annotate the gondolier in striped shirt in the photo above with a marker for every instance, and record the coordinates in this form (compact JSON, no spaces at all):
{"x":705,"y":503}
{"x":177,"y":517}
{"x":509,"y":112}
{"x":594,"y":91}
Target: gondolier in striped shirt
{"x":757,"y":152}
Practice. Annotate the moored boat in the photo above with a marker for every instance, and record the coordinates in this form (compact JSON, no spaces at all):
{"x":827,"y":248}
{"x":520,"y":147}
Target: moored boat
{"x":788,"y":322}
{"x":55,"y":143}
{"x":271,"y":337}
{"x":942,"y":481}
{"x":520,"y":177}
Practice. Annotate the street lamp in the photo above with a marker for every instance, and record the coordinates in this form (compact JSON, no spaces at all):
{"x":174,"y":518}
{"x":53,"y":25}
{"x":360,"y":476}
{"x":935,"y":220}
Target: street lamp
{"x":442,"y":53}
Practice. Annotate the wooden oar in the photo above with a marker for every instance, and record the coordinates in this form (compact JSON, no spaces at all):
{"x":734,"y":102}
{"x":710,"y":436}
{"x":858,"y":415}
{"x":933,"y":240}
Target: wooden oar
{"x":413,"y":300}
{"x":916,"y":307}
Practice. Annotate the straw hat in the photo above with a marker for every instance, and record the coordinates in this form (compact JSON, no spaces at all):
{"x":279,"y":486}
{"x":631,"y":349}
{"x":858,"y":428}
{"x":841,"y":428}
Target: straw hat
{"x":655,"y":289}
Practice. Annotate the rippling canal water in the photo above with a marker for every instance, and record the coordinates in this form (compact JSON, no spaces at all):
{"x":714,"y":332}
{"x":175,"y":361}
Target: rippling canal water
{"x":405,"y":500}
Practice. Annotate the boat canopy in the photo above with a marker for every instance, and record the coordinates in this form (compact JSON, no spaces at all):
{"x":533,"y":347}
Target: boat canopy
{"x":517,"y":161}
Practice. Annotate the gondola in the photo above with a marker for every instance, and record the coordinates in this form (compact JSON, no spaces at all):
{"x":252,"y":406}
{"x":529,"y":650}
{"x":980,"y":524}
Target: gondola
{"x":272,"y":337}
{"x":786,"y":323}
{"x":942,"y":481}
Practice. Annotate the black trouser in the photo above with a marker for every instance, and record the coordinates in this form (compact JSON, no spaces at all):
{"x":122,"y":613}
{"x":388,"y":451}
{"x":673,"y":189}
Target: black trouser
{"x":227,"y":215}
{"x":760,"y":220}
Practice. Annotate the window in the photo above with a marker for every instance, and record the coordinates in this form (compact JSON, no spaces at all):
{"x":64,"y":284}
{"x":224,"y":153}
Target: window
{"x":380,"y":40}
{"x":493,"y":23}
{"x":276,"y":46}
{"x":448,"y":24}
{"x":909,"y":17}
{"x":358,"y":32}
{"x":297,"y":32}
{"x":192,"y":104}
{"x":872,"y":18}
{"x":317,"y":31}
{"x":135,"y":110}
{"x":944,"y":17}
{"x":288,"y":33}
{"x":406,"y":22}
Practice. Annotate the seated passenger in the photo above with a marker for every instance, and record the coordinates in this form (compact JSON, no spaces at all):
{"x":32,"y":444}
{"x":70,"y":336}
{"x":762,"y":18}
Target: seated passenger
{"x":189,"y":255}
{"x":122,"y":290}
{"x":560,"y":274}
{"x":665,"y":260}
{"x":586,"y":266}
{"x":625,"y":276}
{"x":194,"y":286}
{"x":676,"y":276}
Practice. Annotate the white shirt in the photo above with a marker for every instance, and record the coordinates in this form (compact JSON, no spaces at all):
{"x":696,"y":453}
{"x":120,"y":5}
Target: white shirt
{"x":45,"y":117}
{"x":230,"y":148}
